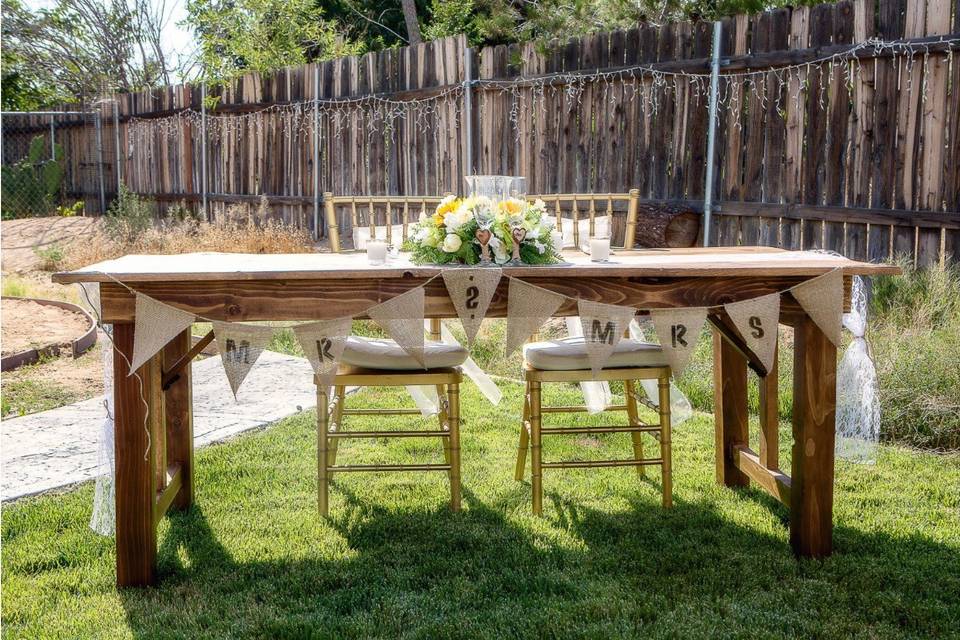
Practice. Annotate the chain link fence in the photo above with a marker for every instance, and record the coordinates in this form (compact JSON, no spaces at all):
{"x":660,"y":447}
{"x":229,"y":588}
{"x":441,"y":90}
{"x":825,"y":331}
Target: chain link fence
{"x":52,"y":165}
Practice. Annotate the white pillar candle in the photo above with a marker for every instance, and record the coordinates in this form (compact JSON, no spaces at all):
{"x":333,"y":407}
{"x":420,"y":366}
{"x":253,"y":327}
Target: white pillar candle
{"x":599,"y":249}
{"x":376,"y":251}
{"x":556,"y":238}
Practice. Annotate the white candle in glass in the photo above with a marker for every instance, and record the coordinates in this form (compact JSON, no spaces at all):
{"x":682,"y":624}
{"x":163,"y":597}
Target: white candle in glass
{"x":556,"y":238}
{"x":376,"y":251}
{"x":600,"y":249}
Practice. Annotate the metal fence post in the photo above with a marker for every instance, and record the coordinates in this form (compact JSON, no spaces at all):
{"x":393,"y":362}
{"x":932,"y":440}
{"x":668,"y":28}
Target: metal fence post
{"x":116,"y":143}
{"x":203,"y":149}
{"x":316,"y":152}
{"x":53,"y":139}
{"x":99,"y":129}
{"x":468,"y":111}
{"x":711,"y":133}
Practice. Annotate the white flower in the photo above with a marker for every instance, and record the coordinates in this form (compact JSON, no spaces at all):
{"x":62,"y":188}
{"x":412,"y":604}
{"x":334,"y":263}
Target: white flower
{"x":456,"y":219}
{"x":452,"y":243}
{"x":500,"y":255}
{"x":423,"y":217}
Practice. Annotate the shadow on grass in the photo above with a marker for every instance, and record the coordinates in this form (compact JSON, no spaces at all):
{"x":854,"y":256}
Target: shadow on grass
{"x":495,"y":571}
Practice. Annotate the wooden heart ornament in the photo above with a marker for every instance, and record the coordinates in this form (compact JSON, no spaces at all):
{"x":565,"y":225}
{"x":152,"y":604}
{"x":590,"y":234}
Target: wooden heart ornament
{"x":518,"y":234}
{"x":483,"y":237}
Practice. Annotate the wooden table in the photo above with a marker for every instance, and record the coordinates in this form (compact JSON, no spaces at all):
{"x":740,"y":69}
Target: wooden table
{"x":238,"y":287}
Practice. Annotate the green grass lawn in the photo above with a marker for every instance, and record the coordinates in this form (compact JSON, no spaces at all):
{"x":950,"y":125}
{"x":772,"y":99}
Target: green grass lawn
{"x":253,"y":560}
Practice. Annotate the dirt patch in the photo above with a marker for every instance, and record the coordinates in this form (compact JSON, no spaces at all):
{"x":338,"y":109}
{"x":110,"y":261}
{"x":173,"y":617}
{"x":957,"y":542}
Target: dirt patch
{"x":27,"y":324}
{"x":20,"y":239}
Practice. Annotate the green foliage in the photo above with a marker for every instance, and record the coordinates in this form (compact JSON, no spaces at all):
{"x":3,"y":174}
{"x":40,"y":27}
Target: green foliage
{"x":70,"y":211}
{"x":915,"y":334}
{"x":128,"y":216}
{"x":238,"y":36}
{"x":30,"y":187}
{"x":51,"y":257}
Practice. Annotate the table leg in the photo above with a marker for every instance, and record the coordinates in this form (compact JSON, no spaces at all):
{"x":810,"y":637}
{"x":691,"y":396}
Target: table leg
{"x":730,"y":409}
{"x":178,"y":401}
{"x":814,"y":413}
{"x":136,"y":536}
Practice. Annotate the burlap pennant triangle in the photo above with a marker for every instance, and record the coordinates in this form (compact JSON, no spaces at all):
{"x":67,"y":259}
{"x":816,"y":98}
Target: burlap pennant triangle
{"x":678,"y":330}
{"x":156,"y":325}
{"x":471,"y":291}
{"x":402,"y":318}
{"x":822,"y":299}
{"x":323,"y":343}
{"x":528,"y":307}
{"x":240,"y":345}
{"x":603,"y":326}
{"x":757,"y":321}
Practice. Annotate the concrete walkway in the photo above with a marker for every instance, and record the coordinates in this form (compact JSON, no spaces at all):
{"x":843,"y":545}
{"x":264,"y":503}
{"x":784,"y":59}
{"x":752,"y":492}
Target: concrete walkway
{"x":57,"y":448}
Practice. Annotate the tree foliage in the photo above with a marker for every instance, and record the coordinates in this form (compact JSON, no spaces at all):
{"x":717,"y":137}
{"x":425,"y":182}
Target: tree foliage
{"x":237,"y":36}
{"x":81,"y":49}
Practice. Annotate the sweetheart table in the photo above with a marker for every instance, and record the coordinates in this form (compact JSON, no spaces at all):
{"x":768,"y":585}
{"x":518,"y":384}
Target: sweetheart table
{"x":246,"y":287}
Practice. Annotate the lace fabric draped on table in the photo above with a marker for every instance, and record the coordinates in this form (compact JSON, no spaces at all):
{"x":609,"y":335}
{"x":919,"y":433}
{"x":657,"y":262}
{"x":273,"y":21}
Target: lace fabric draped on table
{"x":858,"y":402}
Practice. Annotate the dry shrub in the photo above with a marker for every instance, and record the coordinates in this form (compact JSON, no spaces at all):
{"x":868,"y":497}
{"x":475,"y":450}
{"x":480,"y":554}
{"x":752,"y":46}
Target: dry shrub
{"x":237,"y":232}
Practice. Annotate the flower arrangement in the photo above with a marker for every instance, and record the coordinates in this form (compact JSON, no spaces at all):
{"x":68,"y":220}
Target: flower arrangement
{"x":476,"y":229}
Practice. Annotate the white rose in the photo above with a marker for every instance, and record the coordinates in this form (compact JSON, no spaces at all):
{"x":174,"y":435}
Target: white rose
{"x":451,"y":244}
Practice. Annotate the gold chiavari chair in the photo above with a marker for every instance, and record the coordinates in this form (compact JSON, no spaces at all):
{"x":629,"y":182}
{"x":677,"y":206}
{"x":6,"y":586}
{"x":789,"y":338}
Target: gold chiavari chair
{"x":369,"y":362}
{"x":566,"y":361}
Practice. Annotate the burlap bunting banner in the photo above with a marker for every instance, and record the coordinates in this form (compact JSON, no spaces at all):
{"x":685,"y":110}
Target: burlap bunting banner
{"x":471,"y":291}
{"x":603,"y":326}
{"x":822,"y":299}
{"x":90,"y":297}
{"x":757,"y":321}
{"x":528,"y":307}
{"x":678,"y":330}
{"x":402,"y":318}
{"x":157,"y":324}
{"x":323,"y":343}
{"x":240,"y":345}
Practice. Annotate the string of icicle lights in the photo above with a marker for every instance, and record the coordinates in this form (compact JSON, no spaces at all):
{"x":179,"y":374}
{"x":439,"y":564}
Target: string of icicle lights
{"x":644,"y":83}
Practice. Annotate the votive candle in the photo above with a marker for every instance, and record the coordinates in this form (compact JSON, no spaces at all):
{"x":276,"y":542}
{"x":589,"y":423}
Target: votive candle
{"x":376,"y":251}
{"x":599,"y":249}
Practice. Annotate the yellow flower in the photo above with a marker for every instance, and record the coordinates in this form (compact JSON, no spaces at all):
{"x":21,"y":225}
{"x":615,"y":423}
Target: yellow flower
{"x":448,"y":204}
{"x":511,"y":207}
{"x":438,"y":219}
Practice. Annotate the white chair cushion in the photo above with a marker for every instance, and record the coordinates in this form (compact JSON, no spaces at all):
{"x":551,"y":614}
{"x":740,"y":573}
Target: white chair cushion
{"x":570,"y":354}
{"x":376,"y":353}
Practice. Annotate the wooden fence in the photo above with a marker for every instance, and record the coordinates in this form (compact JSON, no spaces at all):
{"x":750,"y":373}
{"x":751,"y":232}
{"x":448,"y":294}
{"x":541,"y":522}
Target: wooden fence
{"x":859,"y":154}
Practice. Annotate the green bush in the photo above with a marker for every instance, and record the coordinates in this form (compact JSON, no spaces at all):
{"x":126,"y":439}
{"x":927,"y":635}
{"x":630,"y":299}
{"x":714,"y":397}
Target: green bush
{"x":31,"y":187}
{"x":915,"y":334}
{"x":128,"y":216}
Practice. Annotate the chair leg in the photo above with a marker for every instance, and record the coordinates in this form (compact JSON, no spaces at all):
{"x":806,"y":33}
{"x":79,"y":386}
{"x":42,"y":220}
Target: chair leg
{"x":536,"y":471}
{"x":444,"y":420}
{"x":524,"y":438}
{"x":453,"y":412}
{"x":629,"y":388}
{"x":339,"y":398}
{"x":323,"y":423}
{"x":666,"y":469}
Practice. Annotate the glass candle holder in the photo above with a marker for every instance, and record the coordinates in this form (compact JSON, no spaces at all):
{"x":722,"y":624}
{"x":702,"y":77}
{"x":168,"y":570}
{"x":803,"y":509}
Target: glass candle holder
{"x":376,"y":252}
{"x":556,"y":238}
{"x":600,"y":249}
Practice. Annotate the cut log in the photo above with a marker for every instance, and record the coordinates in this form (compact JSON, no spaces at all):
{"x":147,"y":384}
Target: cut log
{"x":667,"y":223}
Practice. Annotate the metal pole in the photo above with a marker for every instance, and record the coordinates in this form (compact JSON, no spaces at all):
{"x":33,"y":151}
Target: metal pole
{"x":99,"y":129}
{"x":711,"y":132}
{"x":116,"y":143}
{"x":316,"y":153}
{"x":467,"y":111}
{"x":53,"y":139}
{"x":203,"y":150}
